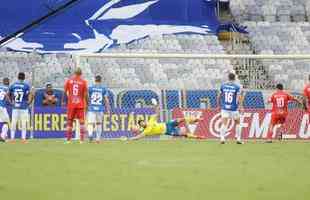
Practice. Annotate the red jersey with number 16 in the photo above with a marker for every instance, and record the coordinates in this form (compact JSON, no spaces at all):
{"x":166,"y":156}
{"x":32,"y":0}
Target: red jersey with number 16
{"x":76,"y":90}
{"x":280,"y":100}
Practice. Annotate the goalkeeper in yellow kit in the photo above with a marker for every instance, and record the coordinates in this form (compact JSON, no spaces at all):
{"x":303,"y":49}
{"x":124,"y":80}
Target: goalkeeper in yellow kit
{"x":152,"y":127}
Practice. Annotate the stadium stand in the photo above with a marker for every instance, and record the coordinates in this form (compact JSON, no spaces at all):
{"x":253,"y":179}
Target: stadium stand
{"x":270,"y":10}
{"x":165,"y":73}
{"x":40,"y":68}
{"x":282,"y":38}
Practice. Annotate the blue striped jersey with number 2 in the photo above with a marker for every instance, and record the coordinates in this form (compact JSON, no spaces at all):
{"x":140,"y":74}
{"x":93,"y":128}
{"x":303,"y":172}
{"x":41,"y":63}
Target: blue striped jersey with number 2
{"x":19,"y":92}
{"x":96,"y":96}
{"x":3,"y":92}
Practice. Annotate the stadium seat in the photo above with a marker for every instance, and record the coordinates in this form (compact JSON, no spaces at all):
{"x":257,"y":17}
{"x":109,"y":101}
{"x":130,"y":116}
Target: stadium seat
{"x":269,"y":10}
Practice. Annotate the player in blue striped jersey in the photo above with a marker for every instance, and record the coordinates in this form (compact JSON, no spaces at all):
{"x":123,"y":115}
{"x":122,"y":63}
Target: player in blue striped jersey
{"x":4,"y":101}
{"x":98,"y":102}
{"x":230,"y":98}
{"x":21,"y":96}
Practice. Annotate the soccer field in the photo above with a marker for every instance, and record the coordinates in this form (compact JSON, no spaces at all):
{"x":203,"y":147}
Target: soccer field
{"x":50,"y":170}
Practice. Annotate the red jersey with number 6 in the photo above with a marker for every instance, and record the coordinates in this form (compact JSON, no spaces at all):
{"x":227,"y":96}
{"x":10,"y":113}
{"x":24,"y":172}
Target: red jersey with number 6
{"x":307,"y":95}
{"x":76,"y":90}
{"x":280,"y":100}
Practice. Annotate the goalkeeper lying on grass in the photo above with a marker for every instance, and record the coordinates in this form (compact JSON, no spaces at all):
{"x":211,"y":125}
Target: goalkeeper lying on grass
{"x":152,"y":127}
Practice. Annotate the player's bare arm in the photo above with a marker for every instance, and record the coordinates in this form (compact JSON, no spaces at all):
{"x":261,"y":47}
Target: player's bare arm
{"x":31,"y":96}
{"x":219,"y":99}
{"x":299,"y":101}
{"x":8,"y":98}
{"x":296,"y":100}
{"x":86,"y":97}
{"x":63,"y":99}
{"x":304,"y":102}
{"x":240,"y":101}
{"x":64,"y":95}
{"x":137,"y":137}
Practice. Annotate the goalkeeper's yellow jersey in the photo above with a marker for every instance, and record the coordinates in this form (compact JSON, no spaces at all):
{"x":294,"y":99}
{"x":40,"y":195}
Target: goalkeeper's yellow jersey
{"x":154,"y":128}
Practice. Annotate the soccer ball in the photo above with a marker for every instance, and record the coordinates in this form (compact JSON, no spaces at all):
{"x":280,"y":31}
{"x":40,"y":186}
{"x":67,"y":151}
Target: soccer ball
{"x":154,"y":102}
{"x":123,"y":138}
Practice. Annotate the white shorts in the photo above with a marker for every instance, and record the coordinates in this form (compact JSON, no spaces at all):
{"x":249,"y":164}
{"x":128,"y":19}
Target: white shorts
{"x":4,"y":116}
{"x":94,"y":117}
{"x":20,"y":114}
{"x":230,"y":114}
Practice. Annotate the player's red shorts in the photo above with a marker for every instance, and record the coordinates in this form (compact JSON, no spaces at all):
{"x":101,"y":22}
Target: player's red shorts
{"x":76,"y":113}
{"x":277,"y":118}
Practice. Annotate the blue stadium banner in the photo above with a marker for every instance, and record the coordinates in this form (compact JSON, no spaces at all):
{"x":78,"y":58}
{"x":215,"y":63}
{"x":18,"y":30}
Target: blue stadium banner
{"x":93,"y":26}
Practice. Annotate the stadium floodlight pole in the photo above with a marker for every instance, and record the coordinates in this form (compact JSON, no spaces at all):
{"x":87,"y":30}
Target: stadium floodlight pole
{"x":197,"y":56}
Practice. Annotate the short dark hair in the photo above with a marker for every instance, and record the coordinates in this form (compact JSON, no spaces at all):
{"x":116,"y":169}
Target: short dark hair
{"x":309,"y":77}
{"x":21,"y":76}
{"x":48,"y":85}
{"x":6,"y":81}
{"x":231,"y":76}
{"x":140,"y":121}
{"x":279,"y":86}
{"x":98,"y":78}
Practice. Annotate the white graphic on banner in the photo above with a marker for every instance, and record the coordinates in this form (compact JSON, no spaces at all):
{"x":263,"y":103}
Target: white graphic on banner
{"x":192,"y":114}
{"x":90,"y":45}
{"x":259,"y":130}
{"x":304,"y":131}
{"x":128,"y":33}
{"x":121,"y":34}
{"x":215,"y":125}
{"x":20,"y":44}
{"x":125,"y":12}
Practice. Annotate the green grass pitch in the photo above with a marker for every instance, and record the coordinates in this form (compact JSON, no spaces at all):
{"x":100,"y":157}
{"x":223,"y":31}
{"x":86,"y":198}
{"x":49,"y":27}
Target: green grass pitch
{"x":159,"y":170}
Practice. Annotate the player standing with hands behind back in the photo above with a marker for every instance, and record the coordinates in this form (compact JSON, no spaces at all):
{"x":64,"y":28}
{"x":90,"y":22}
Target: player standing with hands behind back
{"x":98,"y":98}
{"x":76,"y":91}
{"x":230,"y":98}
{"x":22,"y":97}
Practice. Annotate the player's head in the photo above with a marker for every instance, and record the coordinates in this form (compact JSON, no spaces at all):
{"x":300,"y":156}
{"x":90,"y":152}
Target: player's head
{"x":49,"y":87}
{"x":309,"y":77}
{"x":21,"y":76}
{"x":142,"y":123}
{"x":6,"y":81}
{"x":231,"y":77}
{"x":98,"y":79}
{"x":78,"y":71}
{"x":280,"y":86}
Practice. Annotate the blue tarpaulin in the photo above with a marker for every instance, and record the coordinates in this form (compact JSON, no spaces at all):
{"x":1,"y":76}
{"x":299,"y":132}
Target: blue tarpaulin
{"x":94,"y":25}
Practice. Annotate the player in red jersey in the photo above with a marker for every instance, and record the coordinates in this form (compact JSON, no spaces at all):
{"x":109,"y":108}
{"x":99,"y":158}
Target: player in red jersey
{"x":279,"y":100}
{"x":306,"y":93}
{"x":76,"y":91}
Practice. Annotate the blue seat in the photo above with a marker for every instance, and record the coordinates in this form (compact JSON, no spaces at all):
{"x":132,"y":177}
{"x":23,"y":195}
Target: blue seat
{"x":194,"y":98}
{"x":254,"y":99}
